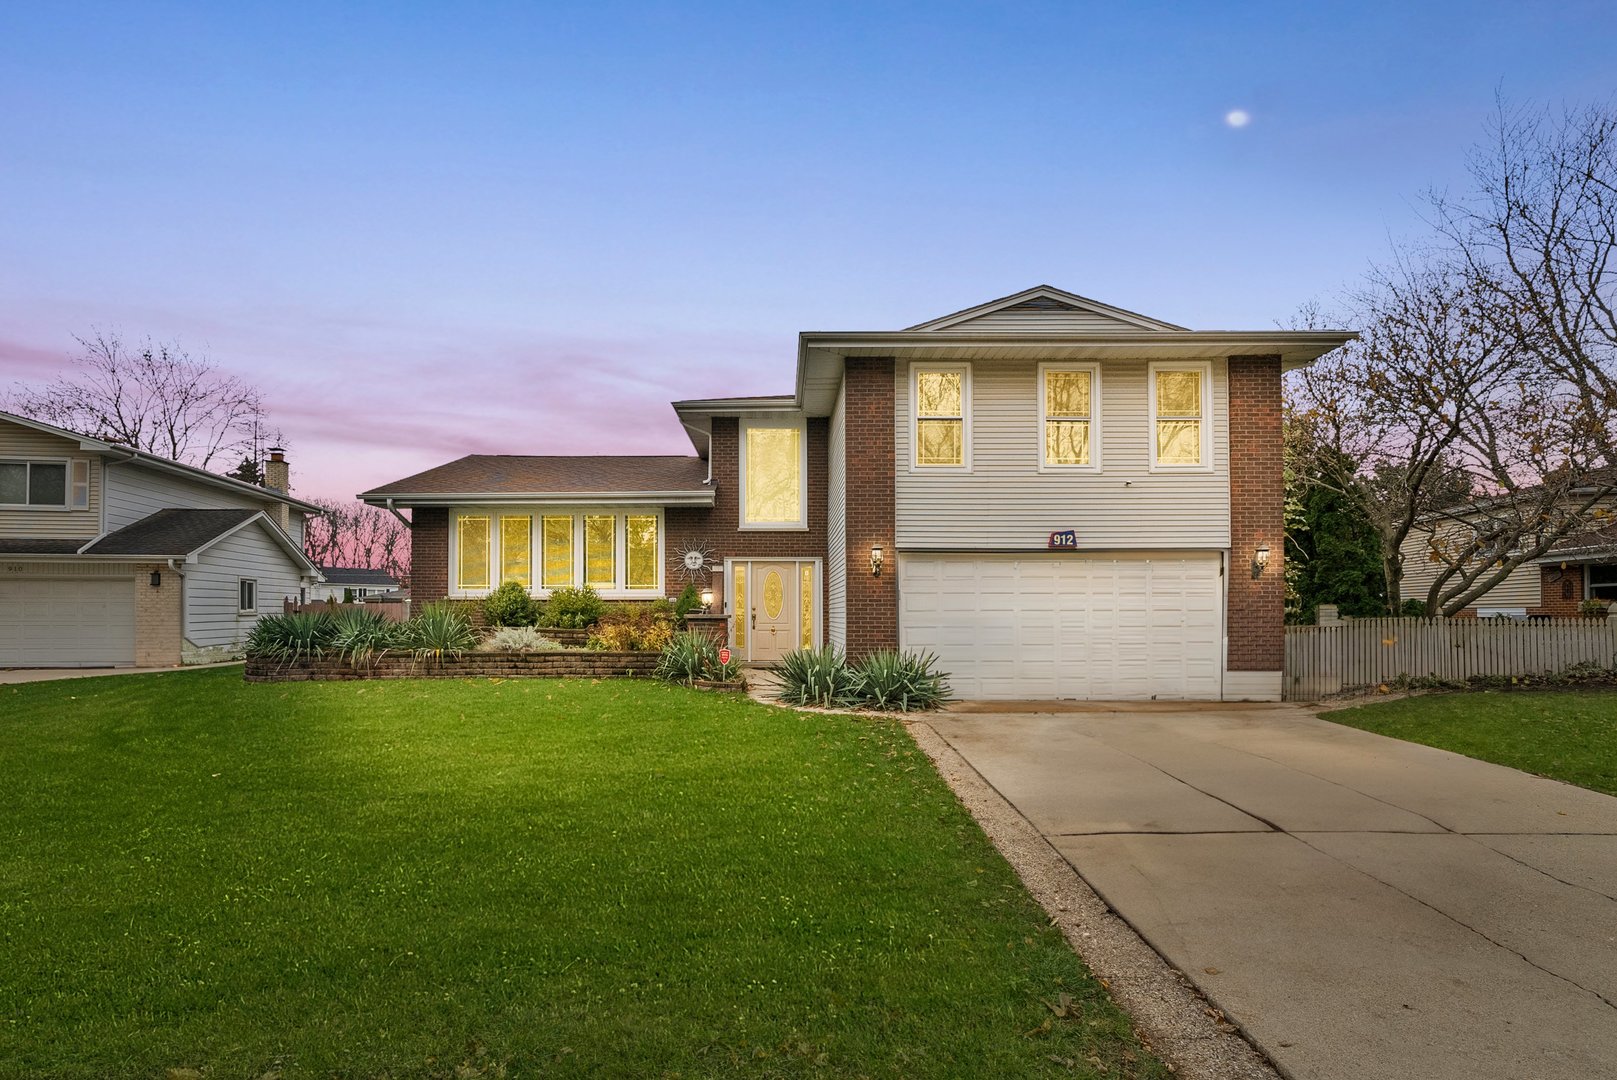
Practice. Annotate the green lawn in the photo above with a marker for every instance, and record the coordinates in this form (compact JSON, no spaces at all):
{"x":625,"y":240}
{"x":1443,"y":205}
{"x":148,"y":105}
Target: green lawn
{"x":506,"y":878}
{"x":1570,"y":736}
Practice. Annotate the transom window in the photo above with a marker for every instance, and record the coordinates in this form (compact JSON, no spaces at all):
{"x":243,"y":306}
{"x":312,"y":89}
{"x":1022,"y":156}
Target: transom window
{"x":939,"y":435}
{"x":1179,"y":415}
{"x":1070,"y":393}
{"x":609,"y":552}
{"x":45,"y":484}
{"x":773,"y":466}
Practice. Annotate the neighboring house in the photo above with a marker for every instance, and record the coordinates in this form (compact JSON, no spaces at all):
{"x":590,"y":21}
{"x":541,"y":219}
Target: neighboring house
{"x":1058,"y":497}
{"x":112,"y":557}
{"x":1581,"y":567}
{"x":342,"y":582}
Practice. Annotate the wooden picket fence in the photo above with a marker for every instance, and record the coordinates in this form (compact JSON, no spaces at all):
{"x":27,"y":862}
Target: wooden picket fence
{"x":1339,"y":657}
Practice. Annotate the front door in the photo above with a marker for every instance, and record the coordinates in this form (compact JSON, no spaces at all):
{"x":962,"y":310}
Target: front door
{"x":772,"y":618}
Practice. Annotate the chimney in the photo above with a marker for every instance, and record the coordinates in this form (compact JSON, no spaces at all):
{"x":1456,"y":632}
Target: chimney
{"x":278,"y":478}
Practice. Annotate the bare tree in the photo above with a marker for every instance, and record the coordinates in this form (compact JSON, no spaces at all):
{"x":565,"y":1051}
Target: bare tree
{"x":359,"y":535}
{"x":155,"y":397}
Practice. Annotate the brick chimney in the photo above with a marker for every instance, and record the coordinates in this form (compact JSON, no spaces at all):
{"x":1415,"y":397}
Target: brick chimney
{"x":278,"y":478}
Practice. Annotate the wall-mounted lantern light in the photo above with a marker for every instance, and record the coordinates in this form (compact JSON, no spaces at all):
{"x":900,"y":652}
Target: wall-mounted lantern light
{"x":1260,"y":559}
{"x":875,"y":560}
{"x":157,"y":579}
{"x":707,"y":600}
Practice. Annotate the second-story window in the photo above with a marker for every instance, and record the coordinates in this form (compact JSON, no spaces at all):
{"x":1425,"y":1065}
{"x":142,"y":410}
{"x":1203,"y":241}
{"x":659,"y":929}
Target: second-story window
{"x":1069,"y":407}
{"x":1179,"y":415}
{"x":941,"y":409}
{"x":773,"y":467}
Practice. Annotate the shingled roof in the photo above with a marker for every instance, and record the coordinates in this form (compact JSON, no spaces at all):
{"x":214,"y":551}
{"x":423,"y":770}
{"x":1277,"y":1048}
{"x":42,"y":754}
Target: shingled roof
{"x":511,"y":474}
{"x":170,"y":533}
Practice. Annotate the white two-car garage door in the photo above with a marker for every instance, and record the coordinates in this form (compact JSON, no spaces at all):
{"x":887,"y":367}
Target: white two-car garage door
{"x":67,"y":622}
{"x":1099,"y":627}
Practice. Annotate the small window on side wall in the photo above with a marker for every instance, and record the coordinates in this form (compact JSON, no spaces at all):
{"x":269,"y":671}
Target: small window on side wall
{"x":247,"y":596}
{"x":940,"y":433}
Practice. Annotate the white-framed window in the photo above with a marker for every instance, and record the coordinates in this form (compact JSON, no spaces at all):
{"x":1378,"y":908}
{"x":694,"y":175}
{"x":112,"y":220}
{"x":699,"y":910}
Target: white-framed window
{"x":774,"y":475}
{"x":246,"y":596}
{"x":1069,"y":417}
{"x":1180,"y":398}
{"x":45,"y":484}
{"x":940,"y":417}
{"x":617,"y":551}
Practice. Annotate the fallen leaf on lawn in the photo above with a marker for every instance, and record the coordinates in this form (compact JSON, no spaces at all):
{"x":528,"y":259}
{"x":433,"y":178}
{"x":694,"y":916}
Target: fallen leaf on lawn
{"x":1211,"y":971}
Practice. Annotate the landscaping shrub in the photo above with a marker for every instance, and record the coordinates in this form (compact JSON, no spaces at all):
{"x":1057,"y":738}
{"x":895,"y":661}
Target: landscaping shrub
{"x":903,"y":682}
{"x":687,"y":657}
{"x":438,"y":631}
{"x":572,"y":609}
{"x":361,"y":636}
{"x":285,"y":638}
{"x":518,"y":639}
{"x":689,"y":601}
{"x":634,"y":628}
{"x":510,"y":605}
{"x":817,"y":677}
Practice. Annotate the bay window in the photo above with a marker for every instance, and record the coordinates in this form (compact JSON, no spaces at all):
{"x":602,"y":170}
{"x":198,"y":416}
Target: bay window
{"x":615,"y":553}
{"x":471,"y":548}
{"x":516,"y":550}
{"x":557,"y":558}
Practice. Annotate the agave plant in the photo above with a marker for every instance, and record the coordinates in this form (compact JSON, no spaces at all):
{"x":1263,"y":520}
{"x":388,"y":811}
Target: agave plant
{"x":903,"y":682}
{"x":439,"y":631}
{"x":362,"y":637}
{"x":687,"y":657}
{"x":817,"y":677}
{"x":297,"y":636}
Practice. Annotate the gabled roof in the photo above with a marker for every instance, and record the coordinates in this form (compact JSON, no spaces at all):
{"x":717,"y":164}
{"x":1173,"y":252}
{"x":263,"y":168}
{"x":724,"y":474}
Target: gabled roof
{"x":357,"y":575}
{"x":171,"y":533}
{"x":163,"y":464}
{"x":661,"y":479}
{"x":1048,"y":298}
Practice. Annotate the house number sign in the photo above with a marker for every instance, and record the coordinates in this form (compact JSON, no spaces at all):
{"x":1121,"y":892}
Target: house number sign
{"x":1065,"y":540}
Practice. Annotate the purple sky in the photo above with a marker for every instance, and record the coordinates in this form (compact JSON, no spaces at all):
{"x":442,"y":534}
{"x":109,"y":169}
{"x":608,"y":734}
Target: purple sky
{"x":433,"y":230}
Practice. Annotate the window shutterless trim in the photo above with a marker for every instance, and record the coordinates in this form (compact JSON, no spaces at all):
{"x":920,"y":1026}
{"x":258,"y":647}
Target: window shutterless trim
{"x":1045,"y":465}
{"x":1205,"y":369}
{"x":67,"y":483}
{"x":801,"y":524}
{"x":915,"y":417}
{"x":246,"y":589}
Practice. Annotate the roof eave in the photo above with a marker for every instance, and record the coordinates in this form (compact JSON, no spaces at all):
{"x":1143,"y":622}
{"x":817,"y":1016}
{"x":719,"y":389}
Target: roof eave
{"x":557,"y":498}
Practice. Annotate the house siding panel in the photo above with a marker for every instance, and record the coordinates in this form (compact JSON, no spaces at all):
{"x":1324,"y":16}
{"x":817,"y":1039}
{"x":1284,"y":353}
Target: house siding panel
{"x":211,"y":620}
{"x":1520,"y":589}
{"x":1006,"y":504}
{"x":17,"y":441}
{"x":135,"y":491}
{"x":1040,"y":321}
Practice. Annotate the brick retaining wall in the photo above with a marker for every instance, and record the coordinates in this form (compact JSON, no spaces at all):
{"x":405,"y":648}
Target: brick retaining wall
{"x":533,"y":665}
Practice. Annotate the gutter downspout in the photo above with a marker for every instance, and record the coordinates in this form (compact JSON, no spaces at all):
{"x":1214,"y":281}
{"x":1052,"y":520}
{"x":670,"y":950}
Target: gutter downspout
{"x":709,"y":433}
{"x":395,"y":513}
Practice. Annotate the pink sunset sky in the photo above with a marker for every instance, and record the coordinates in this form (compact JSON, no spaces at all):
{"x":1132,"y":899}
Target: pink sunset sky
{"x":425,"y":233}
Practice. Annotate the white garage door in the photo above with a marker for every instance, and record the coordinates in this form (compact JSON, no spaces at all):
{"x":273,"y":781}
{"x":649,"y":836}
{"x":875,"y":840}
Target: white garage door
{"x":63,"y":622}
{"x":1067,"y":626}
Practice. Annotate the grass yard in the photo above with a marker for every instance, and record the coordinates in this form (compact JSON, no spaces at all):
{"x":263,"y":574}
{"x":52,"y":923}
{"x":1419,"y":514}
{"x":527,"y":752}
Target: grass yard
{"x":481,"y":879}
{"x":1569,"y":736}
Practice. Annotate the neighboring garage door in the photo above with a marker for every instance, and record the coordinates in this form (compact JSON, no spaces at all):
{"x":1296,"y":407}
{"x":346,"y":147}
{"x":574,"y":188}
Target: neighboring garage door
{"x":67,"y":622}
{"x":1105,"y":628}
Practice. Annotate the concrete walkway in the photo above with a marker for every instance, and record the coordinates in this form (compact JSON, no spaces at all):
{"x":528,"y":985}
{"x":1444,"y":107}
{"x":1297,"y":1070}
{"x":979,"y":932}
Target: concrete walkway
{"x":15,"y":676}
{"x":1362,"y":907}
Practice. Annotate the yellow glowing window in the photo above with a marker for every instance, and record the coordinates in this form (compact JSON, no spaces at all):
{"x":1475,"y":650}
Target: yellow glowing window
{"x":1069,"y":403}
{"x":774,"y":465}
{"x":642,"y":551}
{"x":516,"y":550}
{"x":471,"y":552}
{"x":805,"y":607}
{"x":600,"y":556}
{"x":557,"y":535}
{"x":940,"y":418}
{"x":740,"y":611}
{"x":1178,"y":402}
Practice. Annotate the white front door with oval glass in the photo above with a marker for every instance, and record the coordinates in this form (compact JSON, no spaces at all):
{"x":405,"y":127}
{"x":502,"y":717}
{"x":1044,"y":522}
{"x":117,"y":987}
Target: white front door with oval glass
{"x":773,"y":608}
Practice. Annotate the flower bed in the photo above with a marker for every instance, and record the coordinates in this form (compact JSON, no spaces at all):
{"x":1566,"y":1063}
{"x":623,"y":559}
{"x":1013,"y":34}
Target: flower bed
{"x":554,"y":664}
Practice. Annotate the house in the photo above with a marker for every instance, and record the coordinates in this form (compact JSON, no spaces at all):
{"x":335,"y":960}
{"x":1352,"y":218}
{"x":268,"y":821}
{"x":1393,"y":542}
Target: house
{"x":111,"y":557}
{"x":1060,"y":498}
{"x":1583,"y":566}
{"x":356,"y":582}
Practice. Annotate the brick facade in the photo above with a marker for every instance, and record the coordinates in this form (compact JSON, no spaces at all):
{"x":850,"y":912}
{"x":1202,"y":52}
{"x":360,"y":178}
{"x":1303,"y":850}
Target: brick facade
{"x":159,"y":622}
{"x":1560,"y":592}
{"x":429,"y":554}
{"x":1255,"y":617}
{"x":870,"y":420}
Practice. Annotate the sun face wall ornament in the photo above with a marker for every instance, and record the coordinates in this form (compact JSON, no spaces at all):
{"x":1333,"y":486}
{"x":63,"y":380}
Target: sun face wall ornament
{"x":690,"y":564}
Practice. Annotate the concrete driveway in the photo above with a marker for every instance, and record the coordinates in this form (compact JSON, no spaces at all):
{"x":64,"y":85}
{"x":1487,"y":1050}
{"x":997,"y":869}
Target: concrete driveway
{"x":1363,"y":907}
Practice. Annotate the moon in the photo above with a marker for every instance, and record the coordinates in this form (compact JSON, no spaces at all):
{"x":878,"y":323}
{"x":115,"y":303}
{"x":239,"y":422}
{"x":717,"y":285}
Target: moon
{"x":1237,"y":118}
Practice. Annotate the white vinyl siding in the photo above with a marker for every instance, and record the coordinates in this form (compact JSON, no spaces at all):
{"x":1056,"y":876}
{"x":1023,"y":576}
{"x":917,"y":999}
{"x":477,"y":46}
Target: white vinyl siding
{"x":836,"y":530}
{"x":135,"y":491}
{"x":213,"y":587}
{"x":1006,"y":503}
{"x":18,"y":443}
{"x":1522,"y":589}
{"x":1101,"y":626}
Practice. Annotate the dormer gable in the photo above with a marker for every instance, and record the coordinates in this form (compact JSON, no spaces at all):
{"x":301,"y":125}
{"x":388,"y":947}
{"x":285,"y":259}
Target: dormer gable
{"x":1044,"y":309}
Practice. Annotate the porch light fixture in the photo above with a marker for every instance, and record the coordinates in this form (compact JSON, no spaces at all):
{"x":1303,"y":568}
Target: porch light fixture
{"x":157,"y":579}
{"x":1260,"y":559}
{"x":875,"y":561}
{"x":707,"y":600}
